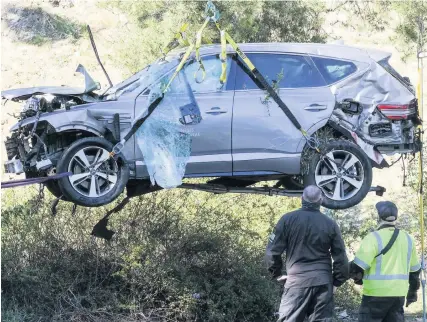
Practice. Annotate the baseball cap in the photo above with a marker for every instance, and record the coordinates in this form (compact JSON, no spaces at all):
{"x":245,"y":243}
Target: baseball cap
{"x":387,"y":210}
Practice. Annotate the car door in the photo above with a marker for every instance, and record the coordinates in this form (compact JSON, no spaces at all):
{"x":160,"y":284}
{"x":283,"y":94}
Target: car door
{"x":211,"y":142}
{"x":264,"y":140}
{"x":211,"y":137}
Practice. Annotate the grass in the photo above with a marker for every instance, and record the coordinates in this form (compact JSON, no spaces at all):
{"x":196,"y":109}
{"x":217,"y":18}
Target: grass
{"x":37,"y":27}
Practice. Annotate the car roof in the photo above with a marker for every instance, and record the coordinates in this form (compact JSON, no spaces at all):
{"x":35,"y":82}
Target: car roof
{"x":315,"y":49}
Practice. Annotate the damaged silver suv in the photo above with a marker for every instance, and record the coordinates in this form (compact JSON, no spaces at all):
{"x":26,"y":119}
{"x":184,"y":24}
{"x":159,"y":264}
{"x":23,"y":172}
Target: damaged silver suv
{"x":351,"y":101}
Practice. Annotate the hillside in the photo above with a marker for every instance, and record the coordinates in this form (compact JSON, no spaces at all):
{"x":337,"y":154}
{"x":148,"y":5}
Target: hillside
{"x":164,"y":238}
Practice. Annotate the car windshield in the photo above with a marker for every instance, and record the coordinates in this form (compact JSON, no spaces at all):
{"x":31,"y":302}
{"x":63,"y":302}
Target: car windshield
{"x":144,"y":77}
{"x":386,"y":65}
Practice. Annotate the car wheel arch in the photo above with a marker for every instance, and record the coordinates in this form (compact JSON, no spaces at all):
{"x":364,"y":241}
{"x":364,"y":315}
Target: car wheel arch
{"x":94,"y":131}
{"x":316,"y":127}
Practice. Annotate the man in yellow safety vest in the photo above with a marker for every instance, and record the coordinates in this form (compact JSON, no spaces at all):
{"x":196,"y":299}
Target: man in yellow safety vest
{"x":387,"y":265}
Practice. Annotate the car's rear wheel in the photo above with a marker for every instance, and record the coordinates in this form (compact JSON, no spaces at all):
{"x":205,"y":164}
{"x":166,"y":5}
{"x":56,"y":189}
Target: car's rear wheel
{"x":97,"y":179}
{"x":344,"y":173}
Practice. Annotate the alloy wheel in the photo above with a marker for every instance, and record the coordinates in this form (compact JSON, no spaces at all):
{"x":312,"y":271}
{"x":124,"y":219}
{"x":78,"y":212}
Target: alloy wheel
{"x":339,"y":174}
{"x":94,"y":172}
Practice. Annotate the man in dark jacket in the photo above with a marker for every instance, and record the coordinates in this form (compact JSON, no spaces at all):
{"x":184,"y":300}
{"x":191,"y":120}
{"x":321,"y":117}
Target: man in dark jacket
{"x":309,"y":239}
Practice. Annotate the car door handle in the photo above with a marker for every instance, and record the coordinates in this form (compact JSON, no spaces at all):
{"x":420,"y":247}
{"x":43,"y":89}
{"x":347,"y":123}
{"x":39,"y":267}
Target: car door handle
{"x":315,"y":107}
{"x":215,"y":111}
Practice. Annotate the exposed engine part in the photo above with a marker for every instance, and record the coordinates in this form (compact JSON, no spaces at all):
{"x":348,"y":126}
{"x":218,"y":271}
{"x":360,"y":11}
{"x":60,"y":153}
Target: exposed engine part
{"x":43,"y":164}
{"x":41,"y":141}
{"x":12,"y":146}
{"x":13,"y":166}
{"x":32,"y":106}
{"x":33,"y":131}
{"x":46,"y":103}
{"x":380,"y":129}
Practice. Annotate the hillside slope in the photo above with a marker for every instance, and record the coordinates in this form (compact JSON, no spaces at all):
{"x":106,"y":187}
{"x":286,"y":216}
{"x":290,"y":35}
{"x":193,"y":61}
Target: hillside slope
{"x":35,"y":52}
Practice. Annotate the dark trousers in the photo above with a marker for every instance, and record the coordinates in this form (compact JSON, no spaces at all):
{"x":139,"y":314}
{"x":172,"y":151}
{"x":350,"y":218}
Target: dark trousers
{"x":381,"y":309}
{"x":316,"y":303}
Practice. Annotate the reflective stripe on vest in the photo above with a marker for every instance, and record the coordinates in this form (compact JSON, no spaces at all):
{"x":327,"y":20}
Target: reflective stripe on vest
{"x":378,"y":275}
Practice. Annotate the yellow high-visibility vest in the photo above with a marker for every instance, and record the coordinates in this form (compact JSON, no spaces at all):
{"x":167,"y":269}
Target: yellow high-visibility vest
{"x":387,"y":275}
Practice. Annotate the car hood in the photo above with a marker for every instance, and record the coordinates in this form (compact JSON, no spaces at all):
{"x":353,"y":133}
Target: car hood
{"x":25,"y":93}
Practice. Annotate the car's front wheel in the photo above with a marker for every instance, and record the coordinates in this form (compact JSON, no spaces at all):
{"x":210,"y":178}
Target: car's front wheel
{"x":53,"y":187}
{"x":97,"y":179}
{"x":343,"y":172}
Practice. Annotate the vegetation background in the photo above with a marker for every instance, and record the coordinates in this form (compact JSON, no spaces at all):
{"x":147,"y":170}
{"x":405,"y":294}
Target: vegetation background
{"x":177,"y":255}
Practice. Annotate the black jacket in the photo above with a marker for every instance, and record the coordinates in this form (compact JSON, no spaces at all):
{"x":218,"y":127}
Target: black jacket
{"x":309,"y":239}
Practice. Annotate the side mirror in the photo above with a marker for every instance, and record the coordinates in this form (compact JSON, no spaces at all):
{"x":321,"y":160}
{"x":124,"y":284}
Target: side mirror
{"x":407,"y":79}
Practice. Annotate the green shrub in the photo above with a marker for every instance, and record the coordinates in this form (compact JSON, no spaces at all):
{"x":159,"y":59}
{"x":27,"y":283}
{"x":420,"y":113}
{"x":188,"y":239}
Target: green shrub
{"x":177,"y":256}
{"x":37,"y":27}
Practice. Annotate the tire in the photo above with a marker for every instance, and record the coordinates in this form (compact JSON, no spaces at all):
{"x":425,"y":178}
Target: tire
{"x":102,"y":184}
{"x":344,"y":183}
{"x":53,"y":187}
{"x":294,"y":182}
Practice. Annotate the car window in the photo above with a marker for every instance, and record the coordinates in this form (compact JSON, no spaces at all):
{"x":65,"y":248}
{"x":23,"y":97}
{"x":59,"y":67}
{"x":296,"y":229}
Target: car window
{"x":289,"y":71}
{"x":334,"y":70}
{"x":211,"y":82}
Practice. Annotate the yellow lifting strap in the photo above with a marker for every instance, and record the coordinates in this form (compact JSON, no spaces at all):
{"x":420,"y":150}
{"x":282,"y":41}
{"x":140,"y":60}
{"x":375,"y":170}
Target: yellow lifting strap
{"x":420,"y":159}
{"x":185,"y":57}
{"x":420,"y":182}
{"x":237,"y":49}
{"x":223,"y":58}
{"x":198,"y":58}
{"x":313,"y":143}
{"x":175,"y":40}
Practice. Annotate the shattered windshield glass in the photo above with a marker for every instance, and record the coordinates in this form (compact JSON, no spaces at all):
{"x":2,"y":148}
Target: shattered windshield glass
{"x":165,"y":137}
{"x":143,"y":77}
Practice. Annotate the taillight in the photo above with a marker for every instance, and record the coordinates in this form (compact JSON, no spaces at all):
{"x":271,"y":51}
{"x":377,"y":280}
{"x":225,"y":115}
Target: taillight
{"x":397,"y":112}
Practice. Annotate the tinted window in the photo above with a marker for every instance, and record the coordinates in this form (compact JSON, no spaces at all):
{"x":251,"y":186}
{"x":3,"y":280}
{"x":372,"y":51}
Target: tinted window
{"x":334,"y":70}
{"x":290,"y":71}
{"x":213,"y":70}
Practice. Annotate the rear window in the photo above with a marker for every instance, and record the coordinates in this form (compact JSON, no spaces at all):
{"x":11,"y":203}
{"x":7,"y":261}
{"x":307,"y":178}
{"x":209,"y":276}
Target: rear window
{"x":333,"y":70}
{"x":386,"y":65}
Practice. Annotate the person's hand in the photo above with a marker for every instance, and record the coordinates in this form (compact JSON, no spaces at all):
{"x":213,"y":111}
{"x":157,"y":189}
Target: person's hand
{"x":335,"y":289}
{"x":282,"y":278}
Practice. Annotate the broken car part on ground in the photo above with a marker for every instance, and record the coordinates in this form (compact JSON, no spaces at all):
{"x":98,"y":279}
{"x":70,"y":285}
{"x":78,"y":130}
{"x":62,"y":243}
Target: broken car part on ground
{"x":222,"y":128}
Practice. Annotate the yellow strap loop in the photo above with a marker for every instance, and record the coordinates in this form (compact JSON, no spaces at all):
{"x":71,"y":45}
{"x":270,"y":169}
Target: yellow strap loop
{"x":237,"y":49}
{"x":175,"y":40}
{"x":198,"y":58}
{"x":252,"y":68}
{"x":186,"y":55}
{"x":181,"y":64}
{"x":420,"y":159}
